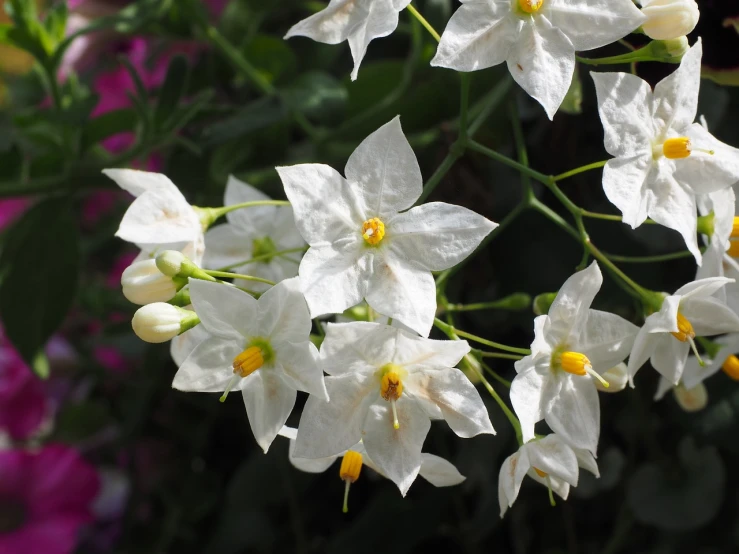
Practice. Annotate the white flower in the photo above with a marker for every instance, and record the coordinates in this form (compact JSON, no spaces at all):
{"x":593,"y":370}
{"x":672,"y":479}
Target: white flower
{"x":260,"y":347}
{"x":669,"y":19}
{"x":362,"y":247}
{"x":617,"y":377}
{"x":536,"y":38}
{"x":160,"y":322}
{"x":182,"y":345}
{"x":254,"y":232}
{"x":356,"y":21}
{"x":143,"y":283}
{"x":571,"y":344}
{"x":385,"y":385}
{"x":160,"y":218}
{"x":549,"y":461}
{"x":667,"y":335}
{"x":662,"y":159}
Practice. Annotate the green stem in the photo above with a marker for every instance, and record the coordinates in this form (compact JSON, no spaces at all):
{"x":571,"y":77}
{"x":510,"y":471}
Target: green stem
{"x":491,"y":101}
{"x":262,"y":258}
{"x":215,"y":213}
{"x":505,"y":382}
{"x":649,"y":259}
{"x":425,"y":23}
{"x":446,"y":328}
{"x":502,"y":304}
{"x":464,"y":100}
{"x":581,"y":169}
{"x":477,"y":147}
{"x":228,"y":275}
{"x":501,"y":355}
{"x":446,"y":164}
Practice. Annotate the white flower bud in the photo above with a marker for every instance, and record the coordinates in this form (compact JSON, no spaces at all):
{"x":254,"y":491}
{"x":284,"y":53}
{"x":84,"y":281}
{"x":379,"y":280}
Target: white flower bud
{"x":160,"y":322}
{"x":143,"y":283}
{"x":691,"y":400}
{"x":617,"y":377}
{"x":669,"y":19}
{"x":170,"y":262}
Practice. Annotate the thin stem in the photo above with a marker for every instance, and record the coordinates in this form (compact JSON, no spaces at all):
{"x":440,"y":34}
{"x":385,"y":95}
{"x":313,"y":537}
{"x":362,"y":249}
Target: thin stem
{"x":446,"y":164}
{"x":493,"y":305}
{"x":446,"y":328}
{"x":502,"y":355}
{"x":494,"y":375}
{"x":218,"y":212}
{"x":425,"y":23}
{"x":649,"y":259}
{"x":464,"y":100}
{"x":227,"y":275}
{"x":581,"y":169}
{"x":477,"y":147}
{"x":489,"y":103}
{"x":549,"y":213}
{"x":262,"y":258}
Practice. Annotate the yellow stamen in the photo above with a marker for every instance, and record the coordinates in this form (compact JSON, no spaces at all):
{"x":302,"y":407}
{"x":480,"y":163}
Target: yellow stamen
{"x":373,"y":230}
{"x":675,"y":148}
{"x":733,"y":248}
{"x":684,"y":329}
{"x":530,"y":6}
{"x":351,"y":466}
{"x":731,"y":367}
{"x":391,"y":387}
{"x":579,"y":364}
{"x":735,"y":228}
{"x":244,"y":365}
{"x":540,"y":473}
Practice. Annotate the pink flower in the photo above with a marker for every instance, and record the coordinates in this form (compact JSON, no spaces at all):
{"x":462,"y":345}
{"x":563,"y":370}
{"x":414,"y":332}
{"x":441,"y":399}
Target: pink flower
{"x":45,"y":498}
{"x":110,"y":358}
{"x":10,"y":209}
{"x":23,"y":403}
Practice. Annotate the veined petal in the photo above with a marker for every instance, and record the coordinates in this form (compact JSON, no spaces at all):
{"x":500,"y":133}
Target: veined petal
{"x":403,"y":291}
{"x":333,"y":24}
{"x":542,"y":61}
{"x":709,"y":316}
{"x":358,"y":347}
{"x":593,"y":23}
{"x":526,"y":397}
{"x":397,"y":452}
{"x":574,"y":411}
{"x":161,"y":215}
{"x":669,"y":357}
{"x":439,"y":472}
{"x":511,"y":475}
{"x":479,"y":35}
{"x":269,"y":401}
{"x":325,"y":205}
{"x":414,"y":352}
{"x":335,"y":278}
{"x":386,"y":171}
{"x":555,"y":457}
{"x":625,"y":107}
{"x":330,"y":428}
{"x":606,"y":339}
{"x":208,"y":368}
{"x":225,"y":311}
{"x":625,"y":182}
{"x":437,"y":235}
{"x":283,"y":313}
{"x":676,"y":96}
{"x":226,"y":245}
{"x":300,"y":368}
{"x":381,"y":20}
{"x":703,"y":172}
{"x":138,"y":182}
{"x":458,"y":399}
{"x":568,"y":313}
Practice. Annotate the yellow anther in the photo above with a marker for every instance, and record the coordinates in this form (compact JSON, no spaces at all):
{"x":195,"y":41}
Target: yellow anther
{"x":391,"y":387}
{"x":351,"y":465}
{"x":731,"y":367}
{"x":373,"y":230}
{"x":530,"y":6}
{"x":579,"y":364}
{"x":248,"y":361}
{"x":735,"y":228}
{"x":540,"y":473}
{"x":733,"y":250}
{"x":675,"y":148}
{"x":684,"y":329}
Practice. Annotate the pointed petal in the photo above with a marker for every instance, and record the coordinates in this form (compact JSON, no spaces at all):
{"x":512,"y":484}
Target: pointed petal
{"x":569,"y":311}
{"x":586,"y":460}
{"x":137,"y":182}
{"x":268,"y":402}
{"x":703,"y":172}
{"x":669,"y":357}
{"x":511,"y":476}
{"x":309,"y":465}
{"x":676,"y":96}
{"x":575,"y":412}
{"x":554,"y":456}
{"x":299,"y":364}
{"x":607,"y":339}
{"x":283,"y":313}
{"x":701,"y":287}
{"x":226,"y":245}
{"x":625,"y":182}
{"x":526,"y":397}
{"x":333,"y":24}
{"x":209,"y":368}
{"x":225,"y":311}
{"x":415,"y":353}
{"x":382,"y":19}
{"x":357,"y":347}
{"x":644,"y":345}
{"x":663,"y":388}
{"x":709,"y":316}
{"x":439,"y":472}
{"x":397,"y":452}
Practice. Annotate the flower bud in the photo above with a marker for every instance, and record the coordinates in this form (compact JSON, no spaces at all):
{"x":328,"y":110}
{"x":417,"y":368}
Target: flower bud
{"x":160,"y":322}
{"x":670,"y":51}
{"x":170,"y":262}
{"x":691,"y":400}
{"x":542,"y":302}
{"x":617,"y":378}
{"x":669,"y":19}
{"x":143,"y":283}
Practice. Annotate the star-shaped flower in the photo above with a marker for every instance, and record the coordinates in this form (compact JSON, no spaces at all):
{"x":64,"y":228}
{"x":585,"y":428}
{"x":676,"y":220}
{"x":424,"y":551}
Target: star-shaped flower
{"x":385,"y":386}
{"x":667,"y":335}
{"x":572,"y":343}
{"x":160,"y":218}
{"x":260,"y":347}
{"x":549,"y":461}
{"x":356,"y":21}
{"x":257,"y":232}
{"x":536,"y":38}
{"x":363,"y":246}
{"x":662,"y":159}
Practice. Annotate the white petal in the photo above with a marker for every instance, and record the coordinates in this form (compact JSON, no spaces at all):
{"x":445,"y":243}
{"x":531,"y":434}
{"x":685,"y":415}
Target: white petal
{"x":625,"y":106}
{"x":437,"y":235}
{"x":542,"y":61}
{"x":669,"y":357}
{"x":226,"y":245}
{"x":644,"y":345}
{"x":676,"y":96}
{"x":593,"y":23}
{"x":325,"y":205}
{"x":268,"y":402}
{"x":137,"y":182}
{"x":479,"y":35}
{"x":586,"y":460}
{"x":558,"y":486}
{"x":554,"y":456}
{"x":665,"y":320}
{"x":625,"y":184}
{"x":225,"y":311}
{"x":414,"y":352}
{"x":299,"y":363}
{"x":283,"y":313}
{"x":209,"y":368}
{"x":333,"y":24}
{"x":702,"y":287}
{"x":663,"y":388}
{"x":397,"y":452}
{"x":439,"y":472}
{"x":574,"y":411}
{"x":458,"y":399}
{"x":607,"y":339}
{"x":309,"y":465}
{"x":404,"y":292}
{"x":330,"y":428}
{"x":569,"y":310}
{"x":182,"y":345}
{"x":357,"y":347}
{"x":709,"y":316}
{"x":386,"y":171}
{"x":704,"y":172}
{"x":511,"y":476}
{"x":526,"y":397}
{"x":381,"y":20}
{"x":248,"y":219}
{"x":335,"y":279}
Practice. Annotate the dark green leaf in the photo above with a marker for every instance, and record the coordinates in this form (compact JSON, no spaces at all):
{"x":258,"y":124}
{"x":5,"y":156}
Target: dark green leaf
{"x":107,"y":125}
{"x":254,"y":116}
{"x":318,"y":95}
{"x":172,"y":90}
{"x":272,"y":57}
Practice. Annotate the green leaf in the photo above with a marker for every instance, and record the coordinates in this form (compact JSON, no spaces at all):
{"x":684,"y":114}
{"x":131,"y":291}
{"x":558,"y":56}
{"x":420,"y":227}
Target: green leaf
{"x":172,"y":90}
{"x":254,"y":116}
{"x":272,"y":57}
{"x":107,"y":125}
{"x":56,"y":22}
{"x":76,"y":422}
{"x":39,"y":268}
{"x":319,"y":96}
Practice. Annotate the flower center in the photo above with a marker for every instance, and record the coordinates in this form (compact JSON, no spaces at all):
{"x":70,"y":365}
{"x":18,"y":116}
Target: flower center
{"x":731,"y":367}
{"x":391,"y":387}
{"x":258,"y":353}
{"x":530,"y":6}
{"x":684,"y":329}
{"x":578,"y":363}
{"x":540,"y":473}
{"x":351,"y":465}
{"x":264,"y":249}
{"x":373,"y":230}
{"x":12,"y":515}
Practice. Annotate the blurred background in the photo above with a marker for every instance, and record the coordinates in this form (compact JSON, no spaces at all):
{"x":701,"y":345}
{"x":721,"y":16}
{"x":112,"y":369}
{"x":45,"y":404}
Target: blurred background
{"x":99,"y":455}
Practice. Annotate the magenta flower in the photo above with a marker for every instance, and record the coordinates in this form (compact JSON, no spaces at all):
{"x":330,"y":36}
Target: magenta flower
{"x":45,"y":498}
{"x":10,"y":209}
{"x":23,"y":403}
